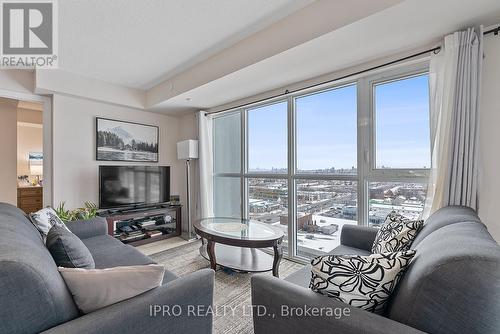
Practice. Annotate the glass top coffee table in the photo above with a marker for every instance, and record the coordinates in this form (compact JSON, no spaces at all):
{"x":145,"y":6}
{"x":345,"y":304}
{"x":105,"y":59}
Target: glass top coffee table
{"x":234,"y":243}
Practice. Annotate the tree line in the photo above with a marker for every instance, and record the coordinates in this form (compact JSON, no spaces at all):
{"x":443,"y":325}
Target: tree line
{"x":110,"y":139}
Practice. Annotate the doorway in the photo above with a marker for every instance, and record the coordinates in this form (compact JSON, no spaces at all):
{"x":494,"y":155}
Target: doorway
{"x":23,"y":149}
{"x":29,"y":156}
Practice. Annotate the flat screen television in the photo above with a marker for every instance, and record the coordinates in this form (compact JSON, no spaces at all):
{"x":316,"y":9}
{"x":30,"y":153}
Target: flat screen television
{"x":133,"y":186}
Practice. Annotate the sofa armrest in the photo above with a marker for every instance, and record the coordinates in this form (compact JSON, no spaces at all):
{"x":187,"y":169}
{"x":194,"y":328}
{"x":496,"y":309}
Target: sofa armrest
{"x":180,"y":306}
{"x":361,"y":237}
{"x":281,"y":307}
{"x":84,"y":229}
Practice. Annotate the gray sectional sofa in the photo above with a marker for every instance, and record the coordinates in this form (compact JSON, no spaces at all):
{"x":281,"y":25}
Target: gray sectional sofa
{"x":34,"y":297}
{"x":452,"y":285}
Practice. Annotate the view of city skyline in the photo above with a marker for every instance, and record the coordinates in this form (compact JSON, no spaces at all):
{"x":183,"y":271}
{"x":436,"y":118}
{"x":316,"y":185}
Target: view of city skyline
{"x":326,"y":140}
{"x":327,"y":129}
{"x":324,"y":206}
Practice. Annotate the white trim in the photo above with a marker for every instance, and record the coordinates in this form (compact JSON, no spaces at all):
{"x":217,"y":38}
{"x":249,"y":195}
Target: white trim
{"x":10,"y":94}
{"x":52,"y":81}
{"x":381,"y":78}
{"x":30,"y":125}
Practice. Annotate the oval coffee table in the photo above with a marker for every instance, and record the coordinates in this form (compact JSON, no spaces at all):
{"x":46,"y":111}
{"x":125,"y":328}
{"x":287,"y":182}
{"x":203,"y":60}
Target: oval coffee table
{"x":234,"y":243}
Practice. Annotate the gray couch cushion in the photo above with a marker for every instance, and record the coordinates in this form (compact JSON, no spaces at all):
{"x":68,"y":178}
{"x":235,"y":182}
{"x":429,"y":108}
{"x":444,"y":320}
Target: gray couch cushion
{"x":302,"y":276}
{"x":346,"y":250}
{"x":84,"y":229}
{"x":445,"y":216}
{"x":453,"y":283}
{"x":33,"y":296}
{"x":67,"y":249}
{"x":361,"y":237}
{"x":169,"y":277}
{"x":109,"y":252}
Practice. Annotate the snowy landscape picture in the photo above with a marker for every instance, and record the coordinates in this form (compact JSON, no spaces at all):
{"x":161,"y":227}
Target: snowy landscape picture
{"x":125,"y":141}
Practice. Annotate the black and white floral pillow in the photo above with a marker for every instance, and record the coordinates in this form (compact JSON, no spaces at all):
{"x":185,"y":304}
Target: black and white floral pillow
{"x":396,"y":234}
{"x":44,"y":219}
{"x":361,"y":281}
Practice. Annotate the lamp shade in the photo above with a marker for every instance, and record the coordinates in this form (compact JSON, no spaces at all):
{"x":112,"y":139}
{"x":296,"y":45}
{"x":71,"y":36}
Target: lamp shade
{"x":187,"y":149}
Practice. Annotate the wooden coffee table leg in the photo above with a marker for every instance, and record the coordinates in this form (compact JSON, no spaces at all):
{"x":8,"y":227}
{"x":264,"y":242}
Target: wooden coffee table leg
{"x":278,"y":254}
{"x":211,"y":254}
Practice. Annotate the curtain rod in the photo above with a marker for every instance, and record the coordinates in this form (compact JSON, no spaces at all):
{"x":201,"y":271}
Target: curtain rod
{"x":436,"y":50}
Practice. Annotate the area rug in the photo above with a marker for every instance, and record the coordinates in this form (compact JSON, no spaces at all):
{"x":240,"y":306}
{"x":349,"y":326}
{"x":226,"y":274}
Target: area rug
{"x":231,"y":291}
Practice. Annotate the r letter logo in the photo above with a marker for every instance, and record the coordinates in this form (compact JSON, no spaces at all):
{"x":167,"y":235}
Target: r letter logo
{"x":28,"y":29}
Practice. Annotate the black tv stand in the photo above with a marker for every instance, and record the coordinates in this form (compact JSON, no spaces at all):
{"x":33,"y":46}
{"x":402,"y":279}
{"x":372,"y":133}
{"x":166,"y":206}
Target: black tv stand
{"x":146,"y":224}
{"x":131,"y":209}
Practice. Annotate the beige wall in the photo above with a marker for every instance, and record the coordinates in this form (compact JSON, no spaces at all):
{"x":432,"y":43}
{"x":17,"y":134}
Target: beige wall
{"x":8,"y":151}
{"x":29,"y":116}
{"x":29,"y":139}
{"x":74,"y":163}
{"x":489,"y":137}
{"x":29,"y":136}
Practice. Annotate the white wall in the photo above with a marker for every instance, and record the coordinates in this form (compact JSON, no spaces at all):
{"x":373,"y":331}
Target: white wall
{"x":8,"y":151}
{"x":188,"y":126}
{"x":74,"y":163}
{"x":20,"y":81}
{"x":489,"y":137}
{"x":51,"y":81}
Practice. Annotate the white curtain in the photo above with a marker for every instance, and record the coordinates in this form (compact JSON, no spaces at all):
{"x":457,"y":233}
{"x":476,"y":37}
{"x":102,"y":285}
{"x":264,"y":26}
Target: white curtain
{"x":454,"y":78}
{"x":205,"y":166}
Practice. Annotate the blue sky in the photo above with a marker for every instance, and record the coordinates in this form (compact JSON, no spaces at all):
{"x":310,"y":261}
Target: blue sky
{"x":326,"y":128}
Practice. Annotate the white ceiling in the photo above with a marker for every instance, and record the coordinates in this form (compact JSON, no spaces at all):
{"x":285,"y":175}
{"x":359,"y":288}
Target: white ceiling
{"x":141,"y":44}
{"x":138,"y":43}
{"x":406,"y":26}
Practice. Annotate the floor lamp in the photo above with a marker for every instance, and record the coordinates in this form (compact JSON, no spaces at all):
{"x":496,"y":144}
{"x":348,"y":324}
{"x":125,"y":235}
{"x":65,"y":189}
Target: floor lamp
{"x":188,"y":150}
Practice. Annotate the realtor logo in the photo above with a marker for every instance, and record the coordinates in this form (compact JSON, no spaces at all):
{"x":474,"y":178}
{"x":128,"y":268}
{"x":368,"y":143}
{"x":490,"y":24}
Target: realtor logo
{"x":28,"y":33}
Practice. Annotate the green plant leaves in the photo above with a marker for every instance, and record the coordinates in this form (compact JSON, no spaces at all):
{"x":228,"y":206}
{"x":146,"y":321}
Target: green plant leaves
{"x":89,"y":211}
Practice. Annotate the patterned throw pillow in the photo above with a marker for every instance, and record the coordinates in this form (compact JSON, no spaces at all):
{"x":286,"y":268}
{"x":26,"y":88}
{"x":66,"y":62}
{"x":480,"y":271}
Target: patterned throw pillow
{"x":44,"y":219}
{"x":361,"y":281}
{"x":396,"y":234}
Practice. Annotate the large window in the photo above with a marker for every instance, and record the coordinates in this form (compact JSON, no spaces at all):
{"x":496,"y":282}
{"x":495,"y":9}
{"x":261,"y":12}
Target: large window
{"x":227,"y":165}
{"x":267,"y":138}
{"x":326,"y":175}
{"x":404,"y":197}
{"x":227,"y":196}
{"x":402,"y":123}
{"x":326,"y":132}
{"x":313,"y":162}
{"x":323,"y":207}
{"x":227,"y":144}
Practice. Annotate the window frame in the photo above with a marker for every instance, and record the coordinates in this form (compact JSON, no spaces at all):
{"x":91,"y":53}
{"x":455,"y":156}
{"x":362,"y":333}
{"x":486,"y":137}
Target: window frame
{"x":294,"y":97}
{"x":372,"y":81}
{"x":366,"y":147}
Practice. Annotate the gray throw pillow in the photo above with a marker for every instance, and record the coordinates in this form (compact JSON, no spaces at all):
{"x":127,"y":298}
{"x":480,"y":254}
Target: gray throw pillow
{"x":67,"y":249}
